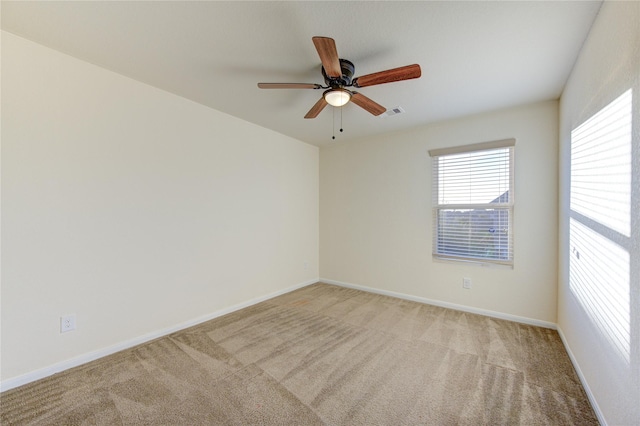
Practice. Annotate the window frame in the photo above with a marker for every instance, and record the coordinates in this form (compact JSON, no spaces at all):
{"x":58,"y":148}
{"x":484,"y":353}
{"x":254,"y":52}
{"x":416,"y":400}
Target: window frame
{"x":508,"y":206}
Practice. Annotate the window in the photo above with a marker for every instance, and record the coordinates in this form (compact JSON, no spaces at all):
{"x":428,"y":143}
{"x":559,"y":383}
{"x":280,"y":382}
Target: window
{"x":473,"y":196}
{"x":601,"y":221}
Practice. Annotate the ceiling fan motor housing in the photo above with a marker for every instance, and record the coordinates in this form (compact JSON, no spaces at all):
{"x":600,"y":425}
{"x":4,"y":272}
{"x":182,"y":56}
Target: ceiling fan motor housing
{"x":347,"y":69}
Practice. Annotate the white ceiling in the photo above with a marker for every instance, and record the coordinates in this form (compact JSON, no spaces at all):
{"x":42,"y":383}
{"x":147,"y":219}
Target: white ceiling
{"x":475,"y":56}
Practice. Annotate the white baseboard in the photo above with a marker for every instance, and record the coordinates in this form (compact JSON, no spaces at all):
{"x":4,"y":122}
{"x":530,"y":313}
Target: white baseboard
{"x":583,"y":380}
{"x":470,"y":309}
{"x":92,"y":356}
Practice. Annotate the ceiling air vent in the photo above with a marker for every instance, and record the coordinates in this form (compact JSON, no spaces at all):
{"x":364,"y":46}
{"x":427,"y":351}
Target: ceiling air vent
{"x":393,"y":111}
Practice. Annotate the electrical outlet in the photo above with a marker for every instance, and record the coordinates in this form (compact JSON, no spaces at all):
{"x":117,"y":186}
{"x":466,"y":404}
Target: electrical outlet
{"x":466,"y":283}
{"x":67,"y":323}
{"x":306,"y":265}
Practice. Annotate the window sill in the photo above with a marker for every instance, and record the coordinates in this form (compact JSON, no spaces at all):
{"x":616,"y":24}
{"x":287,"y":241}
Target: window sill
{"x":472,"y":262}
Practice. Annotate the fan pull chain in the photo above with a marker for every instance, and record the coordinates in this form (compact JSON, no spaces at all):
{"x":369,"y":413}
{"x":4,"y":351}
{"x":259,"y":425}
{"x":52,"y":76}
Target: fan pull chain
{"x":333,"y":124}
{"x":333,"y":127}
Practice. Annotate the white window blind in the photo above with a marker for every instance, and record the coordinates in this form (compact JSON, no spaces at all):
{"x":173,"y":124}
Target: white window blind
{"x":601,"y":166}
{"x":473,"y":202}
{"x":601,"y":220}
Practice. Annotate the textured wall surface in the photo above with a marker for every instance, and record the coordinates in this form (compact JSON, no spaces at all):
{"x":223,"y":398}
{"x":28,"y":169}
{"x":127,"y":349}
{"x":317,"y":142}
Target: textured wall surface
{"x":136,"y":209}
{"x":375,"y":214}
{"x":602,"y":326}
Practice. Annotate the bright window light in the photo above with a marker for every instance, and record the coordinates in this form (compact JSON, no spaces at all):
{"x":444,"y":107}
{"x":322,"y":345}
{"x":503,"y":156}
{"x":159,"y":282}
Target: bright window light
{"x":599,"y":277}
{"x":601,"y":166}
{"x":600,"y":221}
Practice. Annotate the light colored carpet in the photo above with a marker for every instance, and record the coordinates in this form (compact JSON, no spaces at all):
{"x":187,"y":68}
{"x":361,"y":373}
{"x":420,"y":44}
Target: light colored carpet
{"x":322,"y":355}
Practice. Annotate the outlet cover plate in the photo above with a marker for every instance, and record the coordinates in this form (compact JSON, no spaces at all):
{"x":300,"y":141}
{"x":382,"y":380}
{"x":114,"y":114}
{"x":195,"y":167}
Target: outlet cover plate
{"x":67,"y":323}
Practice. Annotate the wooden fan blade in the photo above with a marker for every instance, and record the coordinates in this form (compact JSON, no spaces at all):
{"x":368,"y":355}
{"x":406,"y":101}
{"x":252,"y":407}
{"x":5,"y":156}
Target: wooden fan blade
{"x":289,"y":86}
{"x":396,"y":74}
{"x":316,"y":109}
{"x":363,"y":102}
{"x":328,"y":53}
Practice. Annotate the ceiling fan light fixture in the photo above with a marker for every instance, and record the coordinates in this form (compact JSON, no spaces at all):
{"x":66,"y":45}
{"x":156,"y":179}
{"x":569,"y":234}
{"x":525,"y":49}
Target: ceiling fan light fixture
{"x":337,"y":97}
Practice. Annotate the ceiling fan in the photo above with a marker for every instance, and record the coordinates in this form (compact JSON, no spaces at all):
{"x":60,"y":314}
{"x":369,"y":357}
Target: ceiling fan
{"x":338,"y":75}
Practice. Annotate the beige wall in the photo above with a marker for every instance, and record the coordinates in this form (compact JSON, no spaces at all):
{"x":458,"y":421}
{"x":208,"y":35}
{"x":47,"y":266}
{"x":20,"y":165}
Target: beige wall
{"x":608,"y":66}
{"x":135,"y":209}
{"x":375,"y":214}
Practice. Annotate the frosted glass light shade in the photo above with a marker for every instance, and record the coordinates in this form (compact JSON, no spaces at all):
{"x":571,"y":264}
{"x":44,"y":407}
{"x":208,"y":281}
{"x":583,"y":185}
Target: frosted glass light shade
{"x":337,"y":97}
